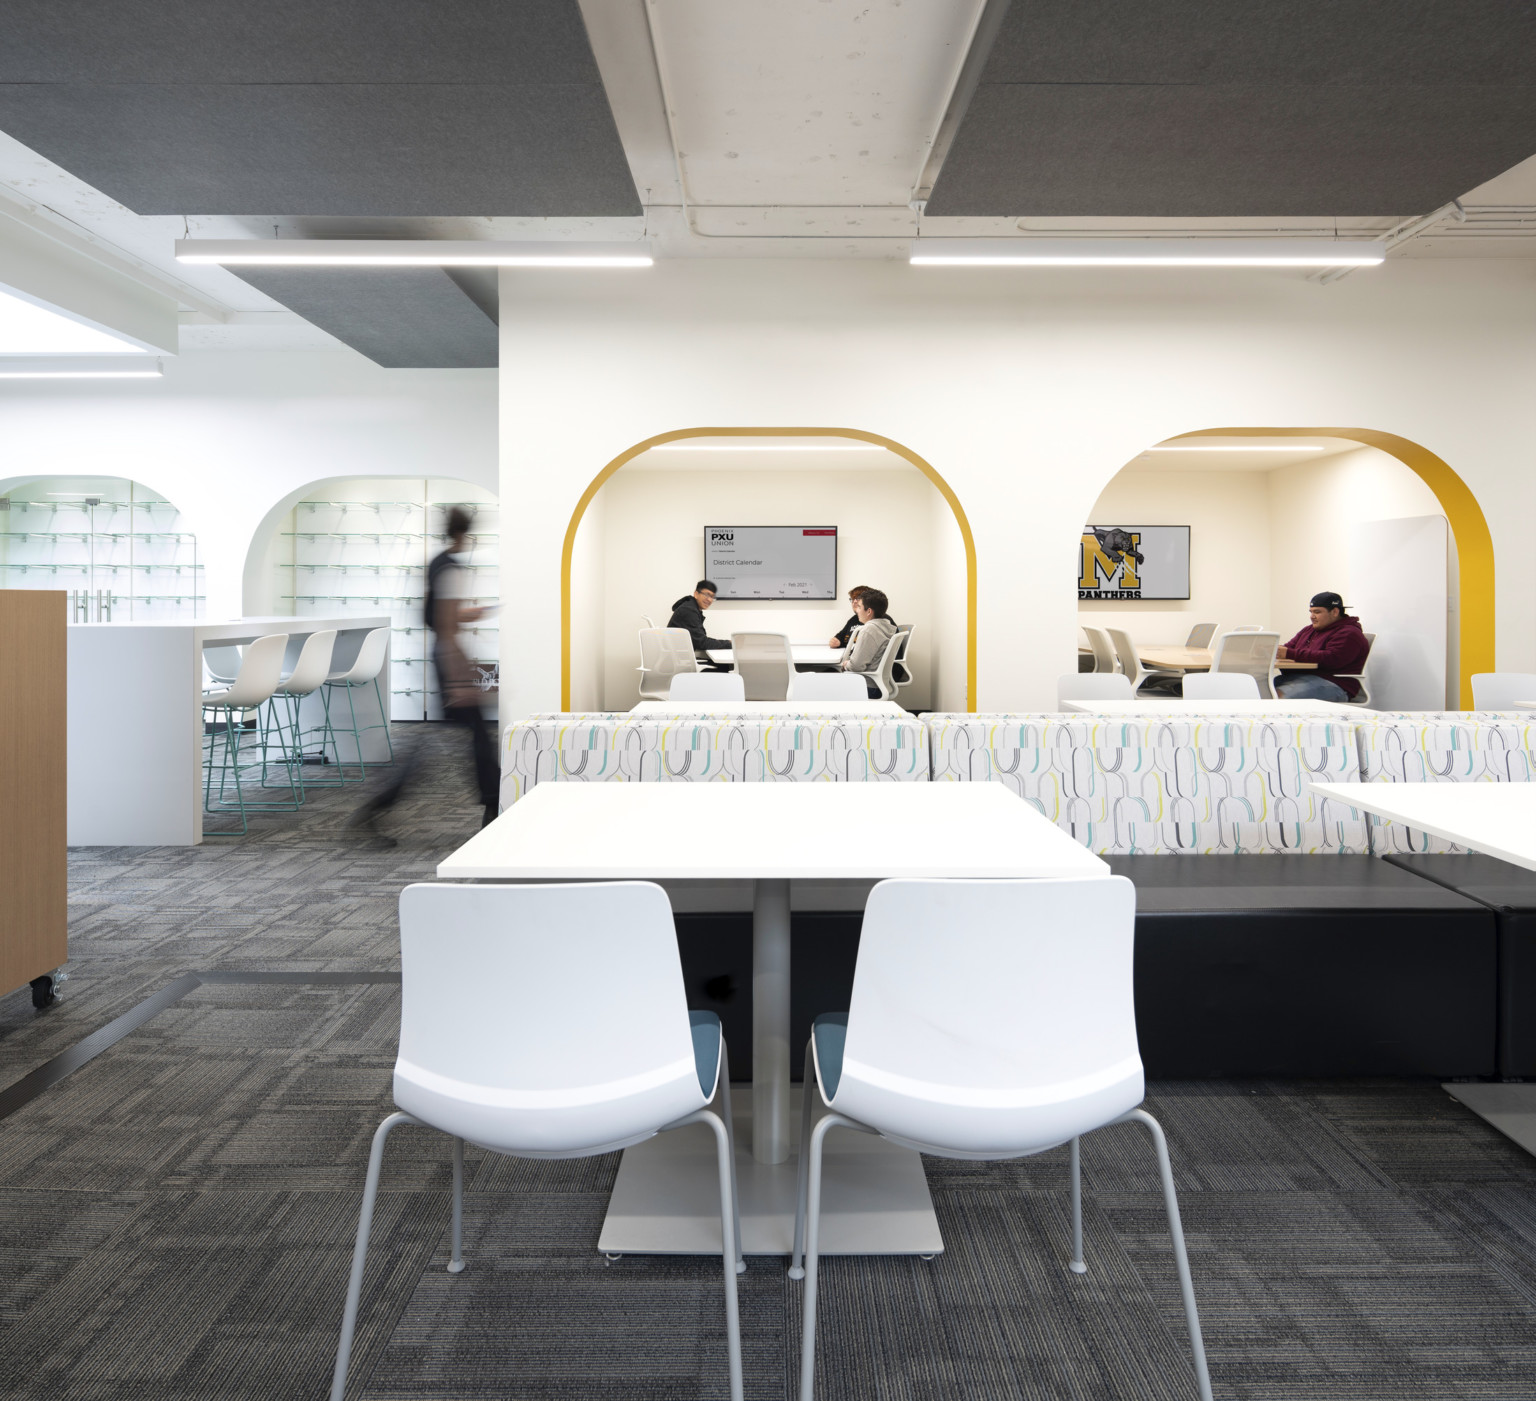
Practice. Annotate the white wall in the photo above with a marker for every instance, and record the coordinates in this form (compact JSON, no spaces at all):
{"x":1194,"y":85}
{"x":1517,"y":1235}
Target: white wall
{"x":1229,"y":550}
{"x":653,"y":552}
{"x":233,"y":437}
{"x":1027,"y":389}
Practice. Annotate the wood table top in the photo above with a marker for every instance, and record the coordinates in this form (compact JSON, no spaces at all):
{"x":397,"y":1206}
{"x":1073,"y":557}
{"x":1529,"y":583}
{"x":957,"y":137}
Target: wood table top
{"x":1199,"y":659}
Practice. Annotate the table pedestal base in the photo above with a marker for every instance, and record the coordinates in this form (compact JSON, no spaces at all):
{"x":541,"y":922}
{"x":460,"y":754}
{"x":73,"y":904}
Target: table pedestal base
{"x":1511,"y":1109}
{"x":874,"y":1199}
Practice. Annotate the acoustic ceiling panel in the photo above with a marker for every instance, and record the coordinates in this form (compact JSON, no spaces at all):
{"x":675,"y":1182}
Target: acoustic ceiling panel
{"x":1185,"y":108}
{"x":320,"y":107}
{"x":401,"y":318}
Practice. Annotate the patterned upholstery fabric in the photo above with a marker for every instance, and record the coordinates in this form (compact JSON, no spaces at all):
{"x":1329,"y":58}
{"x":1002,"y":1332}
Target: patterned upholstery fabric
{"x":1488,"y":746}
{"x":1153,"y":785}
{"x":711,"y":749}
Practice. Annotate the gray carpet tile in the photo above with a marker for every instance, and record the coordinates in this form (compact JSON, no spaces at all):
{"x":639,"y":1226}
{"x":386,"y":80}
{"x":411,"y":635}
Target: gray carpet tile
{"x":177,"y":1217}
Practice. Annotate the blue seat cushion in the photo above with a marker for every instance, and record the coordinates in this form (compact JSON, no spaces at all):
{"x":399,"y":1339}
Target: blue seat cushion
{"x":830,"y":1033}
{"x":705,"y":1027}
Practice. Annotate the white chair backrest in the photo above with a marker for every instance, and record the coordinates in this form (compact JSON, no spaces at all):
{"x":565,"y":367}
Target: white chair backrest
{"x":1093,"y":685}
{"x":1125,"y":650}
{"x":1103,"y":649}
{"x":764,"y":663}
{"x":1496,"y":690}
{"x":1200,"y":635}
{"x":313,"y":665}
{"x":885,"y":669}
{"x":707,"y":686}
{"x":828,"y":685}
{"x":649,"y":621}
{"x":993,"y":1014}
{"x":1221,"y":685}
{"x":370,"y":659}
{"x":223,"y":663}
{"x":1249,"y":627}
{"x":546,"y":1018}
{"x":260,"y":670}
{"x":664,"y":653}
{"x":1252,"y":653}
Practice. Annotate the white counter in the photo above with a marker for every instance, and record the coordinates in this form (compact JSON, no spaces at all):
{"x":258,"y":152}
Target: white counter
{"x":135,"y":721}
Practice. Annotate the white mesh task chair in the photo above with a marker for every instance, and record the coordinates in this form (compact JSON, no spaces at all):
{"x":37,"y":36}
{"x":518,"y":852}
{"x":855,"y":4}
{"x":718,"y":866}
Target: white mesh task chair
{"x":664,"y":653}
{"x":1092,"y":686}
{"x":989,"y":1020}
{"x":707,"y":686}
{"x":1363,"y":676}
{"x":261,"y":669}
{"x":493,"y":1051}
{"x":828,"y":685}
{"x":764,"y":663}
{"x":1200,"y":635}
{"x":1252,"y":653}
{"x":363,"y":672}
{"x":1220,"y":686}
{"x":1131,"y":664}
{"x":884,"y":674}
{"x":1103,"y":649}
{"x":1498,"y":690}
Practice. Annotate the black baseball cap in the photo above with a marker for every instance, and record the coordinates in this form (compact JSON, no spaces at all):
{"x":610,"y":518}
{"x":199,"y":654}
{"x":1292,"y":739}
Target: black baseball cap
{"x":1327,"y":600}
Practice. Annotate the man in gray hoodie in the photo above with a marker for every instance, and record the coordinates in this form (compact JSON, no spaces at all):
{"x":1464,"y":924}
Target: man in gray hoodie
{"x":868,"y":644}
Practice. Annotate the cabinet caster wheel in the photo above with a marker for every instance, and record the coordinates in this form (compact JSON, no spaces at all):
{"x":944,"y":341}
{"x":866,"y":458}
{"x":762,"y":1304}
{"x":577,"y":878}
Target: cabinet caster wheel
{"x":927,"y":1257}
{"x":44,"y":992}
{"x":608,"y":1258}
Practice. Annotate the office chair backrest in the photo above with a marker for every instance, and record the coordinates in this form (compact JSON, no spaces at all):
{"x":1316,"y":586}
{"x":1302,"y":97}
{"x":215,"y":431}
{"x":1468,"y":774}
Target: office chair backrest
{"x":223,"y":663}
{"x":370,"y":659}
{"x":1093,"y":685}
{"x":529,"y":1012}
{"x":993,"y":1014}
{"x":1252,"y":653}
{"x":1496,"y":690}
{"x":1200,"y":635}
{"x":1125,"y":650}
{"x":1103,"y":649}
{"x":885,"y":669}
{"x":764,"y":663}
{"x":707,"y":686}
{"x":313,"y":664}
{"x":260,"y":669}
{"x":901,"y":672}
{"x":828,"y":685}
{"x":664,"y":653}
{"x":1222,"y":685}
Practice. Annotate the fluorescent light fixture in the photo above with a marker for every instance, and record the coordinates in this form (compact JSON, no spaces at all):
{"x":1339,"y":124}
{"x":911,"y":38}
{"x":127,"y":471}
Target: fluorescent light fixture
{"x":1146,"y":252}
{"x":1246,"y":447}
{"x":768,"y":447}
{"x":408,"y":253}
{"x":139,"y":366}
{"x":29,"y":327}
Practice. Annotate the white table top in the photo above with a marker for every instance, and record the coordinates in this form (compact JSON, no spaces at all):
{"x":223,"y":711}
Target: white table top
{"x":801,"y":653}
{"x":806,"y":707}
{"x":1150,"y":707}
{"x":769,"y":831}
{"x":1497,"y":818}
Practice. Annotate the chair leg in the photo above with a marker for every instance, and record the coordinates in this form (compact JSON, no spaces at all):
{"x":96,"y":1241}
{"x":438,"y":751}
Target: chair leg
{"x":729,"y":1250}
{"x":360,"y":1252}
{"x":1078,"y":1266}
{"x":384,"y":716}
{"x":812,"y":1229}
{"x":456,"y":1265}
{"x":1181,"y":1257}
{"x":807,"y":1105}
{"x":730,"y":1131}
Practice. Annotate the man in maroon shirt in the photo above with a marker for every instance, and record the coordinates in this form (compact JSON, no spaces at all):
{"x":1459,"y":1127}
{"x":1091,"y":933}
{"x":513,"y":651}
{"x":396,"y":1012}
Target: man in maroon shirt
{"x":1336,"y":643}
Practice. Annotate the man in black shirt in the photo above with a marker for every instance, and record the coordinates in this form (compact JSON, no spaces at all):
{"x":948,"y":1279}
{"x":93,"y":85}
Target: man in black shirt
{"x":688,"y":614}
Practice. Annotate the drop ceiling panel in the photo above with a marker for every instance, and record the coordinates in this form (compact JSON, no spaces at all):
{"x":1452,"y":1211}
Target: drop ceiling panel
{"x":401,"y":318}
{"x":327,"y":107}
{"x":1191,"y":108}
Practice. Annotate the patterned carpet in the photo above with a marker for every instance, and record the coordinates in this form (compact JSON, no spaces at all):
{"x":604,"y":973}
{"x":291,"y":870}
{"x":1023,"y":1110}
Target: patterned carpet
{"x":176,"y":1218}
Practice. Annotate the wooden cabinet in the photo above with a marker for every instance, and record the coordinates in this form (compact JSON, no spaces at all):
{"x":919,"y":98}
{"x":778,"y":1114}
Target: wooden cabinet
{"x":34,"y":936}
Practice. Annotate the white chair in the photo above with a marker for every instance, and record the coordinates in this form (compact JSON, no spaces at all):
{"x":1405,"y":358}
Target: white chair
{"x":1091,"y":686}
{"x":1252,"y":653}
{"x":222,"y":663}
{"x":493,"y":1050}
{"x":363,"y":672}
{"x":310,"y":670}
{"x":1103,"y":649}
{"x":261,"y":669}
{"x":1249,"y":627}
{"x":1131,"y":664}
{"x":901,"y":673}
{"x":707,"y":686}
{"x":1363,"y":677}
{"x":664,"y":653}
{"x":649,"y":621}
{"x":1200,"y":635}
{"x":764,"y":663}
{"x":884,"y":674}
{"x":989,"y":1020}
{"x":1498,"y":690}
{"x":828,"y":685}
{"x":1220,"y":686}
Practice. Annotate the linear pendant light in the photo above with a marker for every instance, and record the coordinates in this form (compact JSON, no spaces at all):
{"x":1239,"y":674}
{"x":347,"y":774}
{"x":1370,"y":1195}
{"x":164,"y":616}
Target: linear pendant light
{"x":80,"y":367}
{"x":409,"y":253}
{"x":1146,"y":252}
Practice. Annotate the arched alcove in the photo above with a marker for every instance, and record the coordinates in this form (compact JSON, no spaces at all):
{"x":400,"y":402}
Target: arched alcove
{"x":951,"y":504}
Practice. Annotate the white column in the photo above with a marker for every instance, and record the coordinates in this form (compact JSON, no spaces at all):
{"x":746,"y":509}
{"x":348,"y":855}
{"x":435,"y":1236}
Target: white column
{"x":770,"y":1021}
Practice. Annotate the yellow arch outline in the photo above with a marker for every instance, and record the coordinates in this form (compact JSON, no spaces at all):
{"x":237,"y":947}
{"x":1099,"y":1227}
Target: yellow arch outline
{"x":1474,"y":544}
{"x":889,"y":444}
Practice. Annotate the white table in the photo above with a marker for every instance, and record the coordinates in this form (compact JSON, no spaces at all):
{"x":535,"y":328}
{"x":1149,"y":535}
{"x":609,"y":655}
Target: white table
{"x":808,"y":707}
{"x":1496,"y":818}
{"x":772,"y":834}
{"x":801,"y":653}
{"x":1208,"y":707}
{"x":136,"y":720}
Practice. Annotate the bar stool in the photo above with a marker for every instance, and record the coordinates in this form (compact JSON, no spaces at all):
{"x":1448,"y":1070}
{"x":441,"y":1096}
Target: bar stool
{"x":366,"y":669}
{"x":308,"y":675}
{"x":259,"y":675}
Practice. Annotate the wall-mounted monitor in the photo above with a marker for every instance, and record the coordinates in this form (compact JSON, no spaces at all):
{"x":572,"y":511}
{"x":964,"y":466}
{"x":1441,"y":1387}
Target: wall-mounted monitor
{"x":1123,"y":562}
{"x":772,"y":561}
